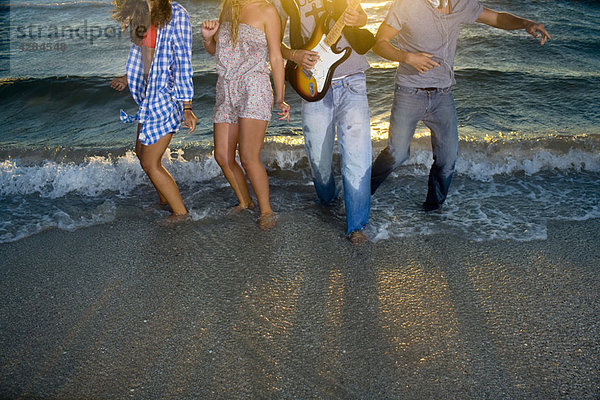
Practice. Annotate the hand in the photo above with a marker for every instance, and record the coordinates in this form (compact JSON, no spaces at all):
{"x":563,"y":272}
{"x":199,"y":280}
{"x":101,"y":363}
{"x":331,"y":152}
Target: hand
{"x":305,"y":58}
{"x":533,"y":28}
{"x":285,"y":110}
{"x":352,"y":18}
{"x":189,"y":120}
{"x":209,"y":28}
{"x":422,"y":62}
{"x":119,"y":83}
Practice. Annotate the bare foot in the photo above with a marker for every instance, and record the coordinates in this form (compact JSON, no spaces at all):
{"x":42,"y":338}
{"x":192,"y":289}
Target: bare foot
{"x":239,"y":208}
{"x":357,"y":238}
{"x":267,"y":221}
{"x":158,"y":207}
{"x":174,"y":219}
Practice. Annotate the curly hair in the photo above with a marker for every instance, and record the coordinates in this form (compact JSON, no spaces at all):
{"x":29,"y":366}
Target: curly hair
{"x":136,"y":15}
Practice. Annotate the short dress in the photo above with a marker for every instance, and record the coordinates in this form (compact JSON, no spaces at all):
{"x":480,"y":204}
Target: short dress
{"x":244,"y":84}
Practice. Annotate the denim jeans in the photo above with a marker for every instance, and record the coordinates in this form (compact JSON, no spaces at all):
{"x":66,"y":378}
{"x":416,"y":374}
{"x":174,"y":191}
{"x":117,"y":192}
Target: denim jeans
{"x":344,"y":110}
{"x":437,"y":111}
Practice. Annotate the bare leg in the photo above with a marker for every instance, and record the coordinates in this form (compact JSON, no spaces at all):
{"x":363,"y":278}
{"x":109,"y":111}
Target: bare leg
{"x":251,"y":138}
{"x":150,"y":159}
{"x":226,"y":140}
{"x":138,"y":153}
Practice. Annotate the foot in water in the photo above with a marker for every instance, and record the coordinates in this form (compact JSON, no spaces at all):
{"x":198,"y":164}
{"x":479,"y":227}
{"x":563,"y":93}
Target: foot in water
{"x":239,"y":208}
{"x":267,"y":221}
{"x":158,"y":207}
{"x":358,"y":238}
{"x":174,"y":219}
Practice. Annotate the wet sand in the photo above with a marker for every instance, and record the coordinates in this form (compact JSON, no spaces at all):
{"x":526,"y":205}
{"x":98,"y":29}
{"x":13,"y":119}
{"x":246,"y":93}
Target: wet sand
{"x":221,"y":310}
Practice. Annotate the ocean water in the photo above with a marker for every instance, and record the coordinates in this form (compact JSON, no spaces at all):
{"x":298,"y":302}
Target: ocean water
{"x":529,"y":125}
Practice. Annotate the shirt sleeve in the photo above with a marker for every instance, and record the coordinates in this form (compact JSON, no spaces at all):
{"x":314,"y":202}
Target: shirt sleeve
{"x":394,"y":18}
{"x":473,"y":10}
{"x":182,"y":48}
{"x":135,"y":74}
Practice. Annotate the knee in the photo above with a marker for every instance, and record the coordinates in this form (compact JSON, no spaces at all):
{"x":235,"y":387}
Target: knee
{"x":399,"y":144}
{"x":145,"y":164}
{"x":320,"y":163}
{"x":250,"y":161}
{"x":395,"y":157}
{"x":148,"y":165}
{"x":400,"y":156}
{"x":224,"y":159}
{"x":445,"y":160}
{"x":444,"y":166}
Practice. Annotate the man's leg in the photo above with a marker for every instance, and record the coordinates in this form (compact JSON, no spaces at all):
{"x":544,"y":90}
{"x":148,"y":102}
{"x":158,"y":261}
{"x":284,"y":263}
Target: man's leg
{"x":442,"y":121}
{"x":408,"y":109}
{"x":319,"y":135}
{"x":354,"y":141}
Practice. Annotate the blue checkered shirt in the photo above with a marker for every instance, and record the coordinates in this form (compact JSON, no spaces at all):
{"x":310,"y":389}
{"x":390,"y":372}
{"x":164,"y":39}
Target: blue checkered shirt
{"x":169,"y":81}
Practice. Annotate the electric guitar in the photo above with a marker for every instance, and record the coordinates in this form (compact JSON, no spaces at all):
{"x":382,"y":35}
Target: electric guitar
{"x":312,"y":84}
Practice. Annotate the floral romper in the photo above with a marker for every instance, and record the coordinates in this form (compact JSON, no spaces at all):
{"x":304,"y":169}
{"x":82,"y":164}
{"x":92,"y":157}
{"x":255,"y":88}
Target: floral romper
{"x":244,"y":84}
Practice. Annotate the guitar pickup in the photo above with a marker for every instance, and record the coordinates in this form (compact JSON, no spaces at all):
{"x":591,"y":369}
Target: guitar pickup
{"x":306,"y":73}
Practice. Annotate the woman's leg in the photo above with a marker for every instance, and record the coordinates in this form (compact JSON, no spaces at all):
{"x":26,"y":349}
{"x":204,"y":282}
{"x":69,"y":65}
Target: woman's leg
{"x":138,"y":152}
{"x":251,"y":138}
{"x":225,"y":141}
{"x":150,"y":159}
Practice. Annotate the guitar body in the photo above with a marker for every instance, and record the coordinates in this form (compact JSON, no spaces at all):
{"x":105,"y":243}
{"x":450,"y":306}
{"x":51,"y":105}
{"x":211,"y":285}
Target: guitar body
{"x":312,"y":85}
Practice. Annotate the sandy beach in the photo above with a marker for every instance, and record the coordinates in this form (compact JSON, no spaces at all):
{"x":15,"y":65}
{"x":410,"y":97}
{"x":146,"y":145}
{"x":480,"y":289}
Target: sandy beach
{"x":497,"y":297}
{"x":209,"y":310}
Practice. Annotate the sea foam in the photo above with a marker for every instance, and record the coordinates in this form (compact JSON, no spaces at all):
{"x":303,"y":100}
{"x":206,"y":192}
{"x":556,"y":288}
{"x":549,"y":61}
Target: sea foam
{"x":121,"y":174}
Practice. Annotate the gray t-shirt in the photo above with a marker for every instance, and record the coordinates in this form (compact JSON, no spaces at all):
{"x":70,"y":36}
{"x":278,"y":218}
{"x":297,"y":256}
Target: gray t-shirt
{"x":422,"y":29}
{"x":310,"y":12}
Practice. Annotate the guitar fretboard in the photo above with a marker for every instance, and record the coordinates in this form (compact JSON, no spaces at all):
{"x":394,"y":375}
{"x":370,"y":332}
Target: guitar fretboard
{"x":336,"y":30}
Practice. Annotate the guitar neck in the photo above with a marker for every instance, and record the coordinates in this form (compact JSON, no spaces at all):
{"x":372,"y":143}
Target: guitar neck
{"x":336,"y":31}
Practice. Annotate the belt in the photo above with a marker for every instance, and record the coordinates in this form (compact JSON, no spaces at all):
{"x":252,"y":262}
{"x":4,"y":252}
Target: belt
{"x":345,"y":76}
{"x":429,"y":89}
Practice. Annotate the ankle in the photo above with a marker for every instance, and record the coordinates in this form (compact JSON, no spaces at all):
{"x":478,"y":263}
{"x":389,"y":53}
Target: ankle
{"x":266,"y":212}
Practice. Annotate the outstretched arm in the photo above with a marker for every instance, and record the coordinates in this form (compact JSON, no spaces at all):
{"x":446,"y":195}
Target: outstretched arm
{"x":273,"y":33}
{"x":422,"y":62}
{"x":506,"y":21}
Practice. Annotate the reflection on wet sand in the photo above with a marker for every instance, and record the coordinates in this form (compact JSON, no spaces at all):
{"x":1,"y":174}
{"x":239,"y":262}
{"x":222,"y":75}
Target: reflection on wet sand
{"x":297,"y":312}
{"x":418,"y":313}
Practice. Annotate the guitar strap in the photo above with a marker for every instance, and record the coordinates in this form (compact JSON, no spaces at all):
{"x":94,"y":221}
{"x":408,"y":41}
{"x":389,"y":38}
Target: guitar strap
{"x":361,"y":40}
{"x":293,"y":11}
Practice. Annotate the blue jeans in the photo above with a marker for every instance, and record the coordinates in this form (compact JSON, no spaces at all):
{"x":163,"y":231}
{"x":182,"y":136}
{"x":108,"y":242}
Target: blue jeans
{"x":344,"y":110}
{"x":437,"y":111}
